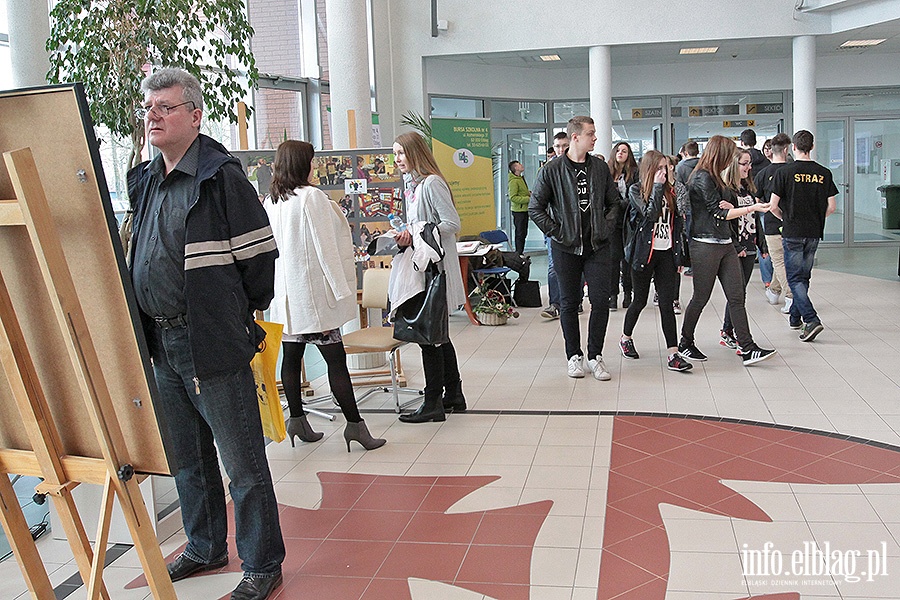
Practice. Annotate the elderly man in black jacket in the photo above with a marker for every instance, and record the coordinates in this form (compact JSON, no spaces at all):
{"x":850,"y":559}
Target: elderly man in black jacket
{"x":575,"y":201}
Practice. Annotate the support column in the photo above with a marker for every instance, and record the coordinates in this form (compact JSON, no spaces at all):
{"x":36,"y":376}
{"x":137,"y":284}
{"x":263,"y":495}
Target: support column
{"x":29,"y":30}
{"x":805,"y":110}
{"x":348,"y":64}
{"x":600,"y":81}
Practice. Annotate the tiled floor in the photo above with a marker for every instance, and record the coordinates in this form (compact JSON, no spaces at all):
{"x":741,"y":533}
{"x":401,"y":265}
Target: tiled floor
{"x":552,"y":488}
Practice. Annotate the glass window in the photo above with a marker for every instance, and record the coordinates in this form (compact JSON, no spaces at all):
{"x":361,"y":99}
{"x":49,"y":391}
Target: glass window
{"x":875,"y":141}
{"x":563,"y":111}
{"x":857,"y":101}
{"x":457,"y":107}
{"x":518,"y":112}
{"x":770,"y":103}
{"x":279,"y":115}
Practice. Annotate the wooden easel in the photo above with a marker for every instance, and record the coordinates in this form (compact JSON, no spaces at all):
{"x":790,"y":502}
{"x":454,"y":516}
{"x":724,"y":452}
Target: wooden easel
{"x":48,"y":458}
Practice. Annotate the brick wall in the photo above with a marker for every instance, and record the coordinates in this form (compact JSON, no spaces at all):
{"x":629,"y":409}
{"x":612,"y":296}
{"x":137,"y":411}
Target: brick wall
{"x":276,"y":43}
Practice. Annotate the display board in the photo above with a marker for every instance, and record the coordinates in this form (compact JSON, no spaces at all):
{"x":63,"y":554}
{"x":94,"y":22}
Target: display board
{"x":55,"y":124}
{"x":366,"y":184}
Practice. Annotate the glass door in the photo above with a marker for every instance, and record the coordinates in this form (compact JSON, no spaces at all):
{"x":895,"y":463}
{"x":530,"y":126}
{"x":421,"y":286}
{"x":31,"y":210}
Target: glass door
{"x":529,"y":147}
{"x":831,"y":151}
{"x":874,"y":140}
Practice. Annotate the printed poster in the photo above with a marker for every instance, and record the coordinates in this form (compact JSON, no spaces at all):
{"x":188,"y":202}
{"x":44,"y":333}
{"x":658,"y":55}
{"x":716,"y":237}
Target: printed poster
{"x":462,"y":148}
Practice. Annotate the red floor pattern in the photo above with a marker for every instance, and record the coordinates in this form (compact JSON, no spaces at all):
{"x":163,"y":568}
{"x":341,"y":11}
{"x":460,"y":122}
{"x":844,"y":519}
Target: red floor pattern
{"x":372,"y":532}
{"x":658,"y":460}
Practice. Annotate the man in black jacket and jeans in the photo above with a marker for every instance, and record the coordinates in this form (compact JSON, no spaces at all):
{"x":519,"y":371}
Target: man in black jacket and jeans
{"x":202,"y":260}
{"x":575,"y":202}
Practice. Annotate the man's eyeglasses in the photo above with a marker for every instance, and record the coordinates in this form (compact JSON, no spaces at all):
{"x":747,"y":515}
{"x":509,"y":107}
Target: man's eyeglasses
{"x":141,"y":112}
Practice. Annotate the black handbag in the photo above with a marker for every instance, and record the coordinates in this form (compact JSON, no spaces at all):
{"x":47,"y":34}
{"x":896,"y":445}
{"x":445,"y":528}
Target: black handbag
{"x":527,"y":293}
{"x":424,"y":319}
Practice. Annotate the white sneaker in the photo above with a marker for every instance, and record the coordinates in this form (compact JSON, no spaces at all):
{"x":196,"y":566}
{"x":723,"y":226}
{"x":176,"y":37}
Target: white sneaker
{"x":771,"y":296}
{"x":598,"y":368}
{"x":786,"y":309}
{"x":575,"y":368}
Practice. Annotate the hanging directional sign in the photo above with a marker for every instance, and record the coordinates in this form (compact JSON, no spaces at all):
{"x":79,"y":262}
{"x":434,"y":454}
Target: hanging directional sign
{"x":765,"y":109}
{"x":714,"y":110}
{"x":744,"y":123}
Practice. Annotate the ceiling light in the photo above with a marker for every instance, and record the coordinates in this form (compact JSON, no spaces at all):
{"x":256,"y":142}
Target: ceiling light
{"x":550,"y":57}
{"x":860,"y":43}
{"x":709,"y":50}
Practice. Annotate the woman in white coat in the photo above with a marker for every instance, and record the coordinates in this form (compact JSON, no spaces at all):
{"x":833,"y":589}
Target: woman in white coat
{"x":428,"y":199}
{"x":315,"y":288}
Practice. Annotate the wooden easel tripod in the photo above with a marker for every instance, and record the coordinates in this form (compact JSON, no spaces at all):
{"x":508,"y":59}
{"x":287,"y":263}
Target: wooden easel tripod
{"x":63,"y":471}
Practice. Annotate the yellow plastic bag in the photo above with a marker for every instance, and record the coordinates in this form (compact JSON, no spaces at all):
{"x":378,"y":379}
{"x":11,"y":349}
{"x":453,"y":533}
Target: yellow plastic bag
{"x":263,"y":365}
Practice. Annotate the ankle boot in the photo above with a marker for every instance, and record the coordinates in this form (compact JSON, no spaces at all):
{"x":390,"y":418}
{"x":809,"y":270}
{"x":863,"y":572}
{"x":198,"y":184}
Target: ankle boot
{"x":360,"y":432}
{"x":300,"y":427}
{"x":453,"y":400}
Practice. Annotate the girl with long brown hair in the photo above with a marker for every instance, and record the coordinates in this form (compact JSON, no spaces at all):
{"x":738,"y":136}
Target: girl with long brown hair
{"x":654,"y":251}
{"x":428,"y":199}
{"x":623,"y":169}
{"x":713,"y":255}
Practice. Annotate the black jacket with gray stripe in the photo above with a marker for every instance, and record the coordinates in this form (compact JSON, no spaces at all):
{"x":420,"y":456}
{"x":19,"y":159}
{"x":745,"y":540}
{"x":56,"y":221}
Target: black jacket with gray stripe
{"x":229,"y":260}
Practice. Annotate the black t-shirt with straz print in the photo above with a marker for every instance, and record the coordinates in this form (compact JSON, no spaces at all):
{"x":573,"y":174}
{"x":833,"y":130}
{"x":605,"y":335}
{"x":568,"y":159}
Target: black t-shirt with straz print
{"x":584,"y":200}
{"x":804,"y":187}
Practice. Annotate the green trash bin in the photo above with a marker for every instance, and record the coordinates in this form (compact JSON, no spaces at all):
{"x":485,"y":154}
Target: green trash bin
{"x":890,"y":206}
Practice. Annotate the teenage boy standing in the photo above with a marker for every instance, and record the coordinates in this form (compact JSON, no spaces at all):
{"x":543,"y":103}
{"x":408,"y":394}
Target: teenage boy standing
{"x":576,"y":202}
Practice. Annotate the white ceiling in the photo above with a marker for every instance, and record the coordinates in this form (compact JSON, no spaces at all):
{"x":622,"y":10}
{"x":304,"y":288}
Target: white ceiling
{"x":667,"y":53}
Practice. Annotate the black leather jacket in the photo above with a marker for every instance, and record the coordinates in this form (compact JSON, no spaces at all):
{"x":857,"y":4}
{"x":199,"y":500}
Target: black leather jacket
{"x":554,"y":203}
{"x":708,"y":221}
{"x":643,"y":215}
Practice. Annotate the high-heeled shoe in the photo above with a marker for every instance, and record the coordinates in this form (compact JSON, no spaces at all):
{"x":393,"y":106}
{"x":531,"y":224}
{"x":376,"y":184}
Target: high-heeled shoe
{"x":300,"y":427}
{"x":359,"y":432}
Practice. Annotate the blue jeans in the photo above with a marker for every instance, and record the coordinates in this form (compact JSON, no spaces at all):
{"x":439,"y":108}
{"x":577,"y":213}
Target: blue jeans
{"x":225,"y":410}
{"x":552,"y":281}
{"x":765,"y":268}
{"x":799,"y":255}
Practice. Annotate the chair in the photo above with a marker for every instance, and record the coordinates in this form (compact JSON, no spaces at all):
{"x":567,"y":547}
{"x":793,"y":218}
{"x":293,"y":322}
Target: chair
{"x":495,"y":237}
{"x":378,"y":339}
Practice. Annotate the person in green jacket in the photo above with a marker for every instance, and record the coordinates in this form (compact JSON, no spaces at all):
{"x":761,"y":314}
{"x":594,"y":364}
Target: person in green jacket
{"x":518,"y":200}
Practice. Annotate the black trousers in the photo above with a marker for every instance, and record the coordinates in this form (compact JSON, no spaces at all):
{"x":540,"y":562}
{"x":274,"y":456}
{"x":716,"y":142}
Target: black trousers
{"x":710,"y":262}
{"x":571,"y":270}
{"x":747,"y":263}
{"x":441,"y":371}
{"x":618,"y":266}
{"x":663,"y":271}
{"x":520,"y":224}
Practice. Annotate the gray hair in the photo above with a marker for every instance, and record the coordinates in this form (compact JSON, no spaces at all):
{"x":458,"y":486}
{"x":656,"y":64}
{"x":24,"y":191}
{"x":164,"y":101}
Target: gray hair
{"x":168,"y":77}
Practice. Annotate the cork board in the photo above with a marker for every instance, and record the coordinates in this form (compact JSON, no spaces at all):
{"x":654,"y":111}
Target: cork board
{"x":54,"y":122}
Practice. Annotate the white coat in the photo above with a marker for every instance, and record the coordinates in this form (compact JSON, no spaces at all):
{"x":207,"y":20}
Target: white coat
{"x":315,"y":274}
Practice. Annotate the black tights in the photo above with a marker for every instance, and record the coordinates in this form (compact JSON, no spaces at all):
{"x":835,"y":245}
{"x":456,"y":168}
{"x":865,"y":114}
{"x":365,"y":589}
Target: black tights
{"x":338,"y":378}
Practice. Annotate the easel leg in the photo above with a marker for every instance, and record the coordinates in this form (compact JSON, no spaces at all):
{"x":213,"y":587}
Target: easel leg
{"x":22,"y":543}
{"x":96,"y":581}
{"x":145,"y":542}
{"x":78,"y":540}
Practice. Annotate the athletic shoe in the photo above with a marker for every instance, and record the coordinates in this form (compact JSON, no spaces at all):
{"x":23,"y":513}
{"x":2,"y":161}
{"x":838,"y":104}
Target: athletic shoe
{"x":676,"y":306}
{"x":678,"y":363}
{"x":810,"y":331}
{"x":551,"y":312}
{"x":772,"y":297}
{"x":613,"y":303}
{"x":726,"y":338}
{"x":580,"y":308}
{"x":599,"y":369}
{"x":689,"y":272}
{"x":655,"y":298}
{"x":786,"y":309}
{"x":755,"y":355}
{"x":575,"y":368}
{"x":690,"y":352}
{"x":796,"y":325}
{"x":628,"y":350}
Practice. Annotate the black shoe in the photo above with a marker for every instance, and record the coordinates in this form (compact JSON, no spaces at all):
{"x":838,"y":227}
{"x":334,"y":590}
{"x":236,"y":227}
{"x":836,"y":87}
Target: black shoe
{"x":796,"y":325}
{"x":677,"y":363}
{"x":613,"y":303}
{"x":628,"y":350}
{"x":755,"y":355}
{"x":256,"y":588}
{"x":453,"y":399}
{"x":424,"y":415}
{"x":626,"y":300}
{"x":690,"y":352}
{"x":183,"y":567}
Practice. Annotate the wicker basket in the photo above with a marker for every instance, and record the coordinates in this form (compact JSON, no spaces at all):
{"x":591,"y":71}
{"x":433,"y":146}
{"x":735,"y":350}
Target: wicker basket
{"x":491,"y":319}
